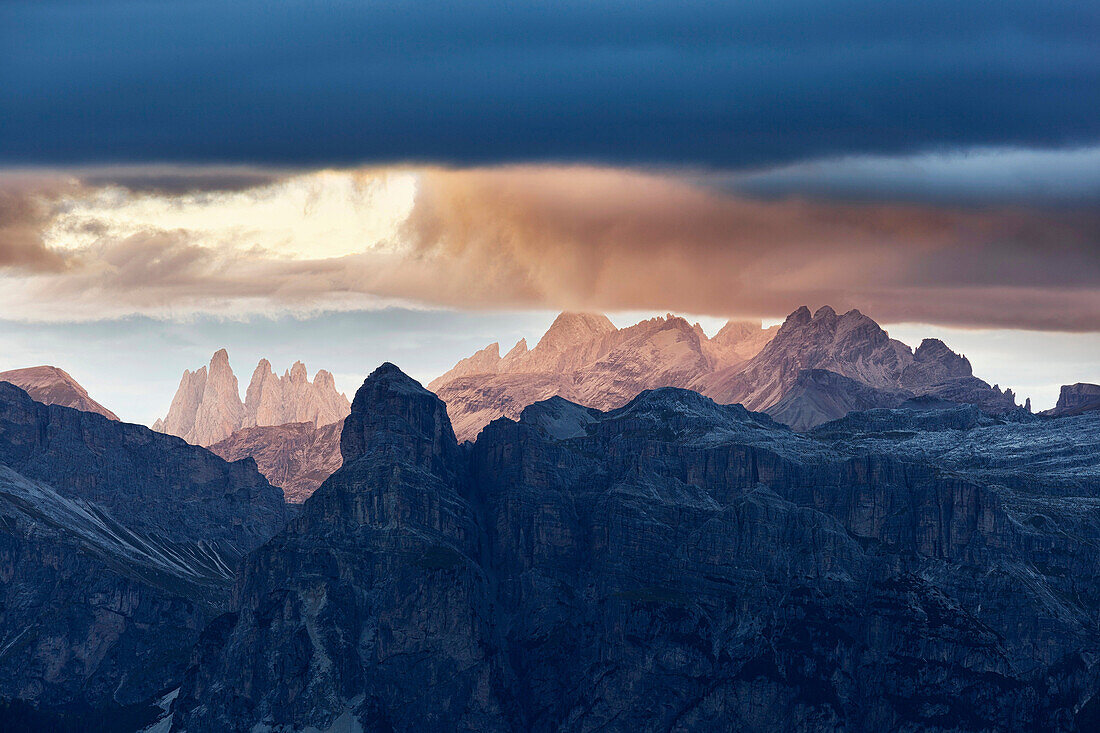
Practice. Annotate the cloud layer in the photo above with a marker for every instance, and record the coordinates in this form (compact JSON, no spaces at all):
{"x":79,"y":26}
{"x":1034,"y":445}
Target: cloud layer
{"x":532,"y":237}
{"x":692,"y":82}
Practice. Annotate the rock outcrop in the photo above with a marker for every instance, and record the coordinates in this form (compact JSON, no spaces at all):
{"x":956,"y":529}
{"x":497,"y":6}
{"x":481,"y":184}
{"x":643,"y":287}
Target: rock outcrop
{"x":673,"y":564}
{"x":1074,"y":399}
{"x":590,"y":362}
{"x":207,"y":407}
{"x":117,"y":544}
{"x":296,"y":457}
{"x":52,"y":386}
{"x":292,"y":398}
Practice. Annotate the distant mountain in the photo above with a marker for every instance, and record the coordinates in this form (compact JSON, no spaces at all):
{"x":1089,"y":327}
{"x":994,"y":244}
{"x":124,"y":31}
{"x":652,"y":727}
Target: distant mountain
{"x":1075,"y":399}
{"x":297,"y":457}
{"x":117,"y":545}
{"x":52,"y":386}
{"x":207,"y":407}
{"x":673,"y":564}
{"x":852,"y":346}
{"x":587,"y":360}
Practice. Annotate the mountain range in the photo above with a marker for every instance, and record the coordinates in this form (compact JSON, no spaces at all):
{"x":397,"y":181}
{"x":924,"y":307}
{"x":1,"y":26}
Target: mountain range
{"x":811,"y":369}
{"x":779,"y":370}
{"x":927,"y":561}
{"x":672,"y":564}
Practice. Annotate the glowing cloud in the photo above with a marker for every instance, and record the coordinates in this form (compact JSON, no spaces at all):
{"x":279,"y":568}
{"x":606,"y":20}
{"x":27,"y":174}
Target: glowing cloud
{"x":533,"y":237}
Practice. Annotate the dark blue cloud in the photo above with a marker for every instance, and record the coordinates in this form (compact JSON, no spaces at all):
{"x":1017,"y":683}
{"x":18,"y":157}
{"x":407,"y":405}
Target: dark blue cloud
{"x":688,"y":82}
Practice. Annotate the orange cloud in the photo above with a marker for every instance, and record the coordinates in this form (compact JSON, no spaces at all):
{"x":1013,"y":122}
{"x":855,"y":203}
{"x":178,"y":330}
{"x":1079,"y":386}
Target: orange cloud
{"x":580,"y":238}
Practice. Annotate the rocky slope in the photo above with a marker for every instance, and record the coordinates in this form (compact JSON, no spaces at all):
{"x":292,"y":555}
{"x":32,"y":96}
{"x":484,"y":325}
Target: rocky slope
{"x":586,"y":359}
{"x":673,"y":564}
{"x":297,"y":457}
{"x":207,"y":407}
{"x":117,"y":544}
{"x":598,"y":366}
{"x":52,"y":386}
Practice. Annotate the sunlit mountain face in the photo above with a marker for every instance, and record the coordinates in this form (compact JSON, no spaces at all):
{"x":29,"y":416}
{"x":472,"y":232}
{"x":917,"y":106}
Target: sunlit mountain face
{"x":549,"y":366}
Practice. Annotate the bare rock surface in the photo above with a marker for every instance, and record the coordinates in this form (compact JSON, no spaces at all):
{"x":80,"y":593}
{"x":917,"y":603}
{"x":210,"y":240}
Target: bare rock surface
{"x":296,"y":457}
{"x":52,"y":386}
{"x":672,"y":564}
{"x":207,"y":407}
{"x":1074,"y":399}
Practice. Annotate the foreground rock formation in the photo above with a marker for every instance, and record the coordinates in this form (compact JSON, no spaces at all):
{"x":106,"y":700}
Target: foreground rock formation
{"x":207,"y":407}
{"x":674,"y":564}
{"x":117,"y":545}
{"x":812,"y":369}
{"x":52,"y":386}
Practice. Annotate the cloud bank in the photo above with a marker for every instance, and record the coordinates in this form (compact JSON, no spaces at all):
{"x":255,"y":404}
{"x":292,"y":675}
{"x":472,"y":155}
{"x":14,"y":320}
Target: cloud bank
{"x":532,"y":237}
{"x":690,"y":82}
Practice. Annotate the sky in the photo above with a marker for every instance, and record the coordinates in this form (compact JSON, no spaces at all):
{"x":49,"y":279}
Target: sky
{"x":344,"y":182}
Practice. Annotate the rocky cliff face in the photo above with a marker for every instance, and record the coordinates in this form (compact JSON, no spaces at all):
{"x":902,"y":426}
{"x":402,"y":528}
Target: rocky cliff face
{"x":673,"y":564}
{"x":207,"y":407}
{"x":117,"y":544}
{"x":602,"y":367}
{"x":296,"y":457}
{"x":1075,"y":399}
{"x":52,"y":386}
{"x":586,"y":359}
{"x":292,"y":398}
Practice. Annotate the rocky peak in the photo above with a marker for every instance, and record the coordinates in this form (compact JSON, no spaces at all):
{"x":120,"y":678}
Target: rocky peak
{"x":736,"y":331}
{"x":323,"y":379}
{"x":298,"y":373}
{"x":934,"y":351}
{"x":799,"y":317}
{"x":1074,"y":399}
{"x":518,"y":350}
{"x":220,"y":408}
{"x":572,"y":329}
{"x":394,"y":417}
{"x":52,"y":386}
{"x":207,"y":407}
{"x":1075,"y":395}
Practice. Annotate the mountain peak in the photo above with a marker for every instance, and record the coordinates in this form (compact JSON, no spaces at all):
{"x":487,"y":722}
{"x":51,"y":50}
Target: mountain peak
{"x":570,"y":329}
{"x":799,"y":317}
{"x":394,"y":414}
{"x":53,"y":386}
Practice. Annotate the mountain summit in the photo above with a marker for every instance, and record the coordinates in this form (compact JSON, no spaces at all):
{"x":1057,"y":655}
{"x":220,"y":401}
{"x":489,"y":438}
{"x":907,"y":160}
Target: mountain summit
{"x":207,"y":407}
{"x":52,"y":386}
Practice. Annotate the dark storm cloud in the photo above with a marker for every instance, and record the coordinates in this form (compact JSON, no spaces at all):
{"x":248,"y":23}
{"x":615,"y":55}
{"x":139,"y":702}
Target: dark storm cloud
{"x":699,"y":83}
